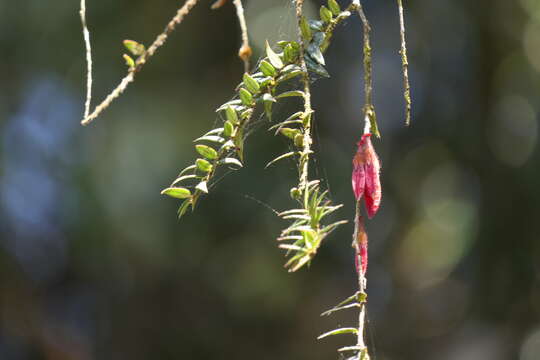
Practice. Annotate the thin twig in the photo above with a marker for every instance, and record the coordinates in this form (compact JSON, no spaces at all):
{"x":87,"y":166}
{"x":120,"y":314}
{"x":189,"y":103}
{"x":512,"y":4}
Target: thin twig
{"x":369,"y":108}
{"x":308,"y":111}
{"x":158,"y":42}
{"x":359,"y":233}
{"x":405,"y":65}
{"x":245,"y":51}
{"x":86,"y":35}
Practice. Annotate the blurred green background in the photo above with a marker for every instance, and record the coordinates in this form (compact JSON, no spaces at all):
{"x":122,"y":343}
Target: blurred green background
{"x":95,"y":265}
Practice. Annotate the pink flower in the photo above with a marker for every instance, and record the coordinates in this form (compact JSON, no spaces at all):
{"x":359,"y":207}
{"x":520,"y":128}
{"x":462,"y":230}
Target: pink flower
{"x":365,"y":175}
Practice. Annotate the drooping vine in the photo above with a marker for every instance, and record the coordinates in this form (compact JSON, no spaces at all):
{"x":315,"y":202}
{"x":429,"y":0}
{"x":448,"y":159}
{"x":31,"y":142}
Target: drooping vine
{"x":286,"y":70}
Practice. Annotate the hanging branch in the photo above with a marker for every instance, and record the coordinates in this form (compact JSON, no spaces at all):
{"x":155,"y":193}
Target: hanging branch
{"x":86,"y":35}
{"x":245,"y":51}
{"x":360,"y":244}
{"x":405,"y":65}
{"x":369,"y":109}
{"x":308,"y":111}
{"x":136,"y":66}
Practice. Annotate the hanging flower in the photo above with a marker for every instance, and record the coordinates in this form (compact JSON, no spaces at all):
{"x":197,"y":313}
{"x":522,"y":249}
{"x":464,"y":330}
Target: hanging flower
{"x":365,"y":176}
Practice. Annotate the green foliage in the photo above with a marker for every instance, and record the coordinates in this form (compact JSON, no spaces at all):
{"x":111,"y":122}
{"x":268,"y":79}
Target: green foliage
{"x":307,"y":230}
{"x":225,"y":145}
{"x":134,"y":47}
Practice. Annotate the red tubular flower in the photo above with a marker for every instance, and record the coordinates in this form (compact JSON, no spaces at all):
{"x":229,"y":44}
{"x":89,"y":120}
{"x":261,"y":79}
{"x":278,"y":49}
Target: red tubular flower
{"x":365,"y":175}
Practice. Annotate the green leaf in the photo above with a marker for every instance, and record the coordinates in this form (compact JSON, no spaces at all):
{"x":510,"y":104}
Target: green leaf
{"x":317,"y":25}
{"x":268,"y":109}
{"x":231,"y":161}
{"x":134,"y":47}
{"x":183,"y":208}
{"x":267,"y":97}
{"x":177,"y":192}
{"x":318,"y":38}
{"x":246,"y":97}
{"x":353,"y":348}
{"x":233,"y":103}
{"x":289,"y":72}
{"x":246,"y":113}
{"x":231,"y":114}
{"x":251,"y":84}
{"x":299,"y":140}
{"x":283,"y":123}
{"x":282,"y":43}
{"x":334,"y":7}
{"x":315,"y":67}
{"x":267,"y":68}
{"x":290,"y":54}
{"x":184,"y":177}
{"x":338,"y":332}
{"x":265,"y":81}
{"x":290,"y":94}
{"x":202,"y":186}
{"x":228,"y":144}
{"x":315,"y":52}
{"x":203,"y":165}
{"x":129,"y":61}
{"x":284,"y":156}
{"x":212,"y":138}
{"x":228,"y":128}
{"x":274,"y":58}
{"x":206,"y":151}
{"x":268,"y":101}
{"x":339,"y":308}
{"x":326,"y":15}
{"x":305,"y":29}
{"x":214,"y":131}
{"x":288,"y":132}
{"x":191,"y":167}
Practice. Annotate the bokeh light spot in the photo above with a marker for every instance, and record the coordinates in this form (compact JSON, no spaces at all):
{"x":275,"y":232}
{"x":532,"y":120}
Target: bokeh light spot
{"x":514,"y":132}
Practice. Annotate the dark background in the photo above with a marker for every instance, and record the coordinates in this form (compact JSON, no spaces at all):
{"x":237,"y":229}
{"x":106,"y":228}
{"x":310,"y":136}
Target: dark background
{"x":95,"y":265}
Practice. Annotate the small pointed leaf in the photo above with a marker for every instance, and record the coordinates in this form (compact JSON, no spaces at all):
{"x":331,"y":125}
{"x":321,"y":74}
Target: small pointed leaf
{"x":206,"y":151}
{"x":177,"y":192}
{"x":274,"y":58}
{"x":286,"y":155}
{"x":211,"y":138}
{"x":183,"y":208}
{"x":231,"y":114}
{"x":203,"y":165}
{"x":338,"y":332}
{"x":305,"y":29}
{"x":231,"y":161}
{"x":290,"y":93}
{"x":134,"y":47}
{"x":228,"y":128}
{"x":267,"y":97}
{"x":326,"y":14}
{"x":290,"y":54}
{"x":267,"y":68}
{"x":316,"y":25}
{"x":183,"y":177}
{"x":246,"y":97}
{"x":288,"y":132}
{"x":129,"y":61}
{"x":334,"y":7}
{"x":251,"y":84}
{"x":315,"y":52}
